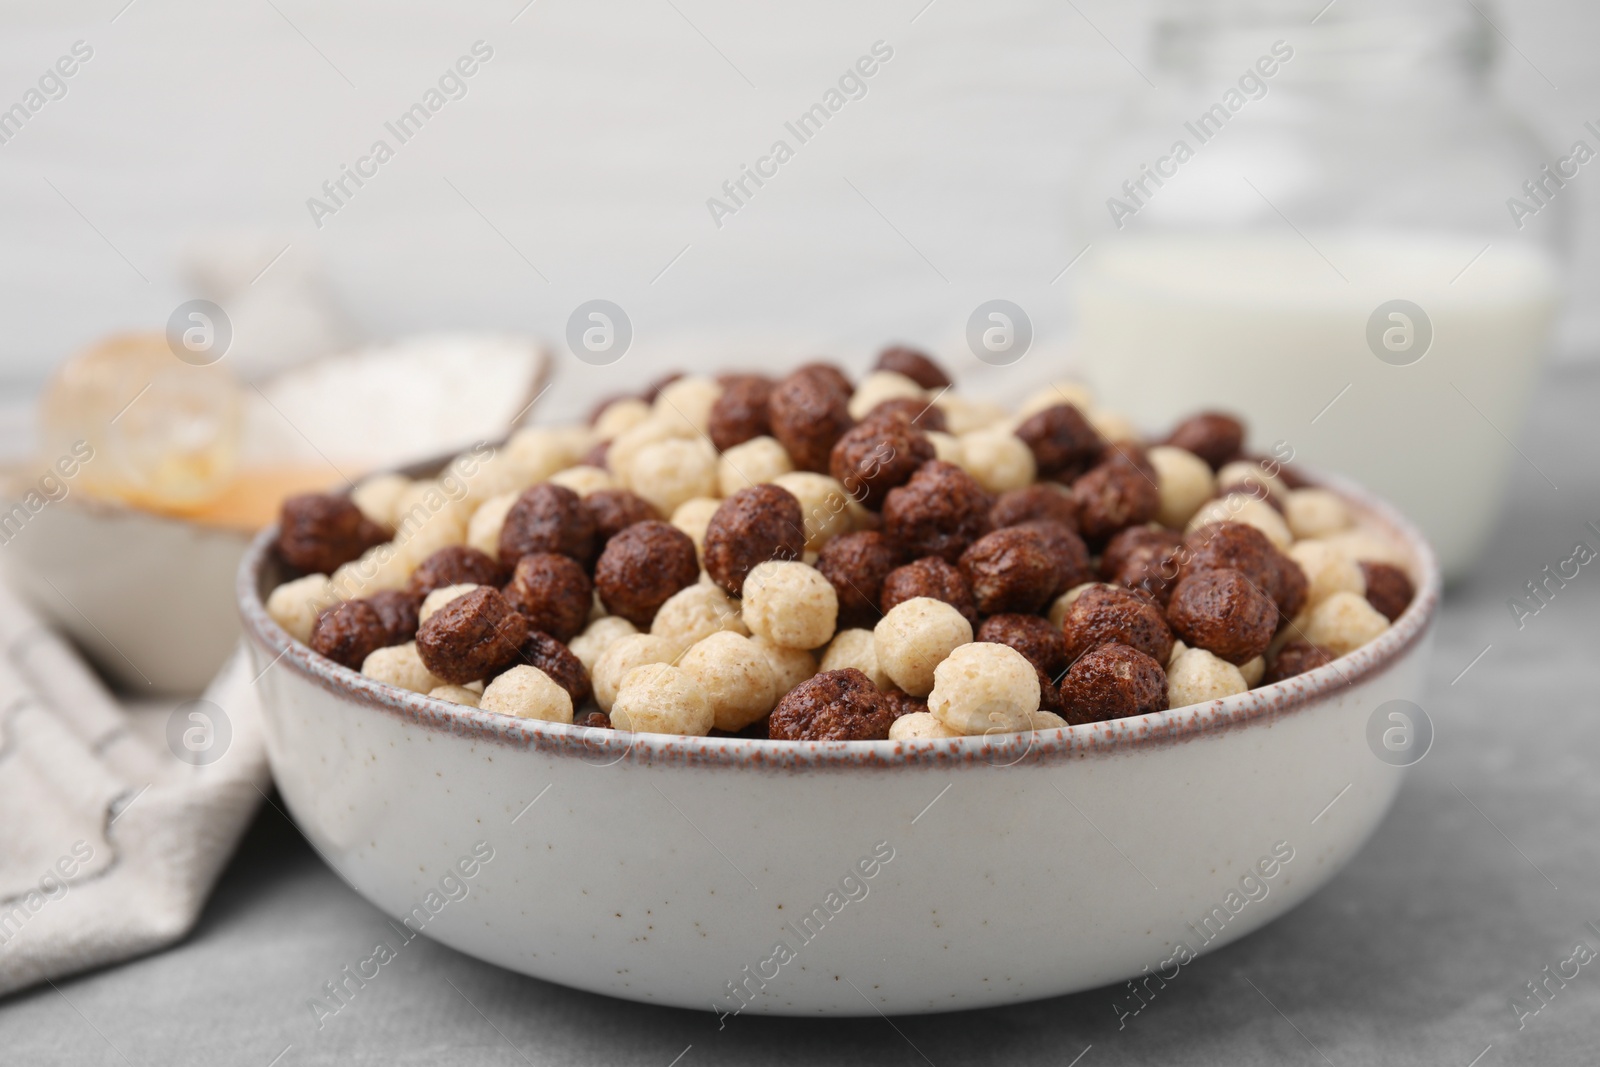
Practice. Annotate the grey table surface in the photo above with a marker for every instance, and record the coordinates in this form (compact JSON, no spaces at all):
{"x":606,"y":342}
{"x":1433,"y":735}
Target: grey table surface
{"x":1486,"y":872}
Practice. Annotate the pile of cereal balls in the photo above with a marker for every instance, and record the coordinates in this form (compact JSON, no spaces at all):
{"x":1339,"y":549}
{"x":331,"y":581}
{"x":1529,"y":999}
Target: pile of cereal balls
{"x":809,"y":559}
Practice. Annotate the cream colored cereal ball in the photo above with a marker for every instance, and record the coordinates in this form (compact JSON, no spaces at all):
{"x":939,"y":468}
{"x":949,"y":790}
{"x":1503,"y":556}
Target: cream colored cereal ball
{"x":754,"y":462}
{"x":491,"y":475}
{"x":697,"y":611}
{"x":1063,"y":392}
{"x":628,"y":444}
{"x":790,"y":604}
{"x":1185,"y":481}
{"x":598,"y":636}
{"x":1112,"y":426}
{"x":688,"y":400}
{"x":376,"y":497}
{"x":380,"y":567}
{"x":1366,"y":546}
{"x":539,"y":451}
{"x":426,"y":520}
{"x":919,"y":726}
{"x":736,"y":677}
{"x":620,"y":416}
{"x":402,"y":666}
{"x":1253,"y":671}
{"x":440,"y":597}
{"x":1240,"y":507}
{"x":824,"y":504}
{"x":622,"y":656}
{"x":963,"y":415}
{"x":483,"y":529}
{"x":1048,"y":720}
{"x":1178,"y":649}
{"x":1327,"y":571}
{"x":693,"y":516}
{"x":1343,"y":623}
{"x":985,"y":687}
{"x":661,"y":699}
{"x":528,"y":693}
{"x":858,"y":649}
{"x":1198,"y":676}
{"x":947,"y":447}
{"x":1058,"y":610}
{"x":1252,"y":475}
{"x":790,"y":666}
{"x":584,"y":479}
{"x":669,"y":473}
{"x":456,"y":694}
{"x":1315,"y":513}
{"x":879,"y":386}
{"x":296,"y":605}
{"x":998,"y":460}
{"x":914,"y":637}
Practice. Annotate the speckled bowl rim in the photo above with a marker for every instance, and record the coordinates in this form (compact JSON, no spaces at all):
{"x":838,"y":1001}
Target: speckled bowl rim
{"x":605,"y":747}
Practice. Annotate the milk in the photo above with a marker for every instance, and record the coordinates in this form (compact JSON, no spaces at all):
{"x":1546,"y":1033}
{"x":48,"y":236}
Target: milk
{"x":1275,"y":327}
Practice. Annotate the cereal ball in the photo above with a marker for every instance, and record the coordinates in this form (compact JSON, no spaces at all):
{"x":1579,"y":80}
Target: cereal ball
{"x":827,"y":374}
{"x":1252,"y":478}
{"x":380,"y":567}
{"x":911,"y":411}
{"x":913,"y":638}
{"x":1315,"y":513}
{"x":1111,"y":426}
{"x":620,"y":416}
{"x":754,"y":525}
{"x":984,"y":688}
{"x":879,"y":386}
{"x":824,"y":506}
{"x":1253,"y":671}
{"x":790,"y":604}
{"x":473,"y":636}
{"x":964,"y":415}
{"x":998,"y":460}
{"x":1214,"y":437}
{"x":1112,"y":497}
{"x":376,"y":497}
{"x":1327,"y":571}
{"x":600,"y":635}
{"x":1387,"y":588}
{"x":736,"y":677}
{"x":930,"y":577}
{"x":856,"y":565}
{"x":1362,"y":545}
{"x":790,"y":666}
{"x":1045,"y":501}
{"x":1343,"y":623}
{"x":440,"y":597}
{"x":856,"y":649}
{"x":528,"y":693}
{"x":1108,"y":614}
{"x":808,"y":416}
{"x":552,"y":592}
{"x":660,"y":699}
{"x":919,"y":726}
{"x":904,"y":703}
{"x":1239,"y":508}
{"x":1184,"y":482}
{"x":696,"y":612}
{"x":1064,"y":443}
{"x":318,"y":531}
{"x":642,"y":566}
{"x":614,"y":510}
{"x":1112,"y":682}
{"x":296,"y":605}
{"x":689,"y":400}
{"x":1246,"y":549}
{"x":939,"y":512}
{"x":667,"y":473}
{"x":398,"y":610}
{"x":946,"y":448}
{"x":455,"y":565}
{"x":912,"y":364}
{"x":626,"y":446}
{"x":1064,"y":602}
{"x":456,"y":694}
{"x":1056,"y":393}
{"x":1198,"y":676}
{"x":1223,"y":612}
{"x":592,"y":720}
{"x":1050,"y":702}
{"x":874,"y":457}
{"x":1020,"y":568}
{"x":559,"y":662}
{"x":584,"y":479}
{"x":483,"y":529}
{"x":349,"y":633}
{"x":1296,"y":657}
{"x":839,"y":705}
{"x":740,"y":413}
{"x":693,"y":516}
{"x":758,"y":460}
{"x":653,"y":390}
{"x":400,"y":666}
{"x":540,"y":451}
{"x":1041,"y":643}
{"x":621,"y":657}
{"x":547,"y":518}
{"x":1143,"y":558}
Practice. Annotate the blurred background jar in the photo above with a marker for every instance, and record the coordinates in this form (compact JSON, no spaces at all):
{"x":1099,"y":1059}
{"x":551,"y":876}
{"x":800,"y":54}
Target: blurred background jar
{"x":1333,"y":228}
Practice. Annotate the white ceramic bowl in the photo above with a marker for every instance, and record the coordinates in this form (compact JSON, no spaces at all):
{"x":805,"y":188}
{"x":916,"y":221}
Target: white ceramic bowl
{"x":670,"y":869}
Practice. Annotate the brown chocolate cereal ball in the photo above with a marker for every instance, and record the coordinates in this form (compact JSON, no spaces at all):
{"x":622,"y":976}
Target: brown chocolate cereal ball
{"x":1211,"y":435}
{"x":875,"y":457}
{"x":830,"y":374}
{"x":1068,"y":550}
{"x":939,"y":512}
{"x":1142,"y":558}
{"x":1112,"y":497}
{"x":349,"y":633}
{"x":808,"y":416}
{"x":1295,"y":657}
{"x":474,"y":637}
{"x":318,"y":532}
{"x":1050,"y":694}
{"x":1130,"y":452}
{"x":548,"y":518}
{"x":1388,"y":589}
{"x":398,"y":609}
{"x":907,"y":409}
{"x":592,"y":720}
{"x":552,"y":656}
{"x":929,"y":577}
{"x":614,"y":510}
{"x":553,"y":592}
{"x":856,"y":564}
{"x":1014,"y":569}
{"x":1045,"y":500}
{"x":914,"y":365}
{"x":839,"y":705}
{"x":597,"y":456}
{"x":1112,"y":682}
{"x":1064,"y":443}
{"x":902,"y":703}
{"x":1040,"y":643}
{"x":1224,"y":613}
{"x":455,"y":565}
{"x":1105,"y":615}
{"x":643,"y":566}
{"x":1246,"y":549}
{"x":740,"y":413}
{"x":754,"y":525}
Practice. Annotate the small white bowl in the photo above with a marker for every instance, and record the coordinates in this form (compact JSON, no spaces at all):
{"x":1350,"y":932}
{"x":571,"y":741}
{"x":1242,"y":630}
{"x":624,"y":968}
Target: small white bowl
{"x":669,"y":870}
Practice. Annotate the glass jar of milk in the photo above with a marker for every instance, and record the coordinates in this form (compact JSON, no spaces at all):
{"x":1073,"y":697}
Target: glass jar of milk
{"x":1331,"y":227}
